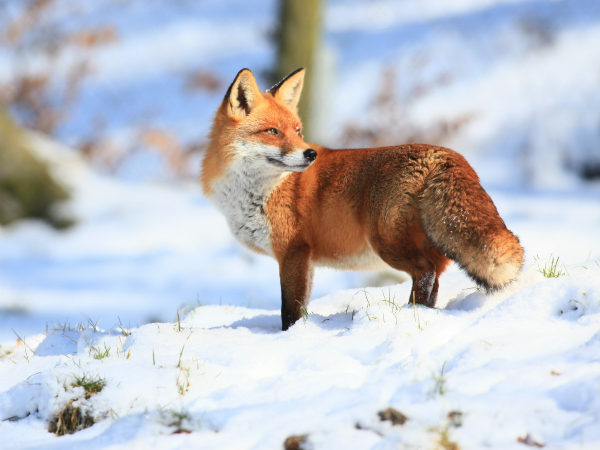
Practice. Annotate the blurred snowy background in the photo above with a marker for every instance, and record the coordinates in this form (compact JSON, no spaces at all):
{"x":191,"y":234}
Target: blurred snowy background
{"x":123,"y":91}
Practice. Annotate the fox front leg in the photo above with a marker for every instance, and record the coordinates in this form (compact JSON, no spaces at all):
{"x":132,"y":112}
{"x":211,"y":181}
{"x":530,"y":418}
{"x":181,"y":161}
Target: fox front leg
{"x":296,"y":276}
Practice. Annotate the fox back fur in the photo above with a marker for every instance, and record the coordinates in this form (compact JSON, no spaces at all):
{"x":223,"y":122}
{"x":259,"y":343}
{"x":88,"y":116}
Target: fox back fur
{"x":413,"y":207}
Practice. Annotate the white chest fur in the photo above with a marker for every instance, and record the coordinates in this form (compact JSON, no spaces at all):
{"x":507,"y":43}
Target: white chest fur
{"x":241,"y":196}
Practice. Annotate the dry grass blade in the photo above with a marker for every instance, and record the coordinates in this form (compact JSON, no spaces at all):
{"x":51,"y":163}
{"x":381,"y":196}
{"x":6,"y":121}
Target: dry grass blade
{"x":444,"y":442}
{"x":71,"y":417}
{"x":70,"y":420}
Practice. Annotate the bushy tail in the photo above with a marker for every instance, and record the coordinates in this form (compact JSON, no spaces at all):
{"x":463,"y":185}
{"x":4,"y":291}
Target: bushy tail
{"x":461,"y":220}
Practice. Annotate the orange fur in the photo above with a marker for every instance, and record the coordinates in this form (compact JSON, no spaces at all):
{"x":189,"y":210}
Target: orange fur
{"x":412,"y":207}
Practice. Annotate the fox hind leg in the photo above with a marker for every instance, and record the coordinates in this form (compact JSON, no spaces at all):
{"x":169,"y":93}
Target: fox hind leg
{"x":440,"y":262}
{"x":407,"y":257}
{"x":422,"y":288}
{"x":410,"y":251}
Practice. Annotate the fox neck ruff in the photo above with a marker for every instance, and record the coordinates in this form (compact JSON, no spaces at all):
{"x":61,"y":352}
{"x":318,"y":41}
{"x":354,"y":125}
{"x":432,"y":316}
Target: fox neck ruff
{"x":242,"y":195}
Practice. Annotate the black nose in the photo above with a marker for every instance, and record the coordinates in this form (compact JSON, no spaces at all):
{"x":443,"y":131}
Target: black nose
{"x":310,"y":155}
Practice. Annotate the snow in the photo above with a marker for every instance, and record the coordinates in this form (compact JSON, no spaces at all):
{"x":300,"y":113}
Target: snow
{"x":521,"y":362}
{"x":150,"y":292}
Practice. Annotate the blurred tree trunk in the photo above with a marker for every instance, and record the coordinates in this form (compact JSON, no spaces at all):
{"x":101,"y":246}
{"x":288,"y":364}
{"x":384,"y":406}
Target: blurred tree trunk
{"x":298,"y":39}
{"x":27,"y":189}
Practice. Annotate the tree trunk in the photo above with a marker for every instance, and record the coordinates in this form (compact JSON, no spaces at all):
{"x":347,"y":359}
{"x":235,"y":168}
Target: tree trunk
{"x":27,"y":189}
{"x":298,"y":39}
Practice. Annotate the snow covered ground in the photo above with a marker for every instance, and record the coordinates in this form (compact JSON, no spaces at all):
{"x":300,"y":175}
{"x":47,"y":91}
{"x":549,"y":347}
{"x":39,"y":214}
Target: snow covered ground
{"x":505,"y":371}
{"x":481,"y":372}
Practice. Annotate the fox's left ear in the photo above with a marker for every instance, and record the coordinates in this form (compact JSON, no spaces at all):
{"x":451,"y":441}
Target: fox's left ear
{"x":288,"y":90}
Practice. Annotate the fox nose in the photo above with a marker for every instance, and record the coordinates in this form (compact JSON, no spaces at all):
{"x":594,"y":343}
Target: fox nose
{"x":310,"y":155}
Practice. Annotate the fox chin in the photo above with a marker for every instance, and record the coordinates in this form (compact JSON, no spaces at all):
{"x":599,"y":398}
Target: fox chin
{"x":413,"y":207}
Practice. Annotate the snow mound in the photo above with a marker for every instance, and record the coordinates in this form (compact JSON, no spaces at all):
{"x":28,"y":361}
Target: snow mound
{"x":483,"y":371}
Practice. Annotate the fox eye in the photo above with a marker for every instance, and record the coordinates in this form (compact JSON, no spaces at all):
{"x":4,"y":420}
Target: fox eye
{"x":272,"y":131}
{"x":299,"y":132}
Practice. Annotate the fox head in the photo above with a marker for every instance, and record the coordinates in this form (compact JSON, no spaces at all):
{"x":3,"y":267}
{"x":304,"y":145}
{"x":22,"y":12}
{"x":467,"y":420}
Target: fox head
{"x":260,"y":130}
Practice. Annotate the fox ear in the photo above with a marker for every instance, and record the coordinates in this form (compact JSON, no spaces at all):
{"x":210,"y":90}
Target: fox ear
{"x":243,"y":95}
{"x":288,"y":90}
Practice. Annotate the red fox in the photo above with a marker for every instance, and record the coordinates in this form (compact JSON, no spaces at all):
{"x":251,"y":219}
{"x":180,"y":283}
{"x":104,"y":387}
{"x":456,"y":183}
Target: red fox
{"x":413,"y":207}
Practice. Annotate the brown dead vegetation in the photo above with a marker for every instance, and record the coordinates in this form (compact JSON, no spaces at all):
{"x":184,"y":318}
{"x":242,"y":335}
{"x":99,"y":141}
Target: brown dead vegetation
{"x":296,"y":442}
{"x":528,"y":440}
{"x":202,"y":80}
{"x":392,"y":415}
{"x":74,"y":416}
{"x":444,"y":442}
{"x":70,"y":420}
{"x":43,"y":99}
{"x":389,"y":122}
